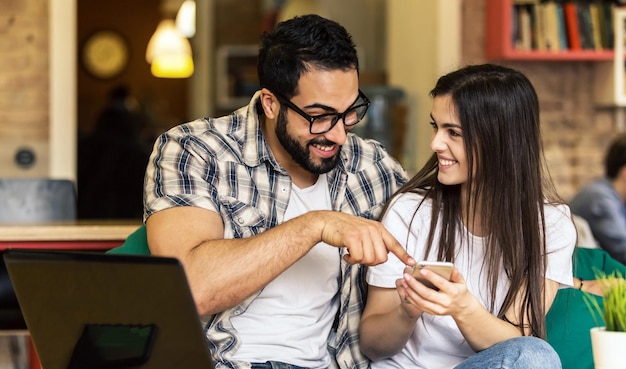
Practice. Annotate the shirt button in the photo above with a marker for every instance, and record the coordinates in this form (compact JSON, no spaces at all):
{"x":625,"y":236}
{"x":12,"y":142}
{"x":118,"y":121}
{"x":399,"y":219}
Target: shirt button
{"x":240,"y":220}
{"x":284,"y":189}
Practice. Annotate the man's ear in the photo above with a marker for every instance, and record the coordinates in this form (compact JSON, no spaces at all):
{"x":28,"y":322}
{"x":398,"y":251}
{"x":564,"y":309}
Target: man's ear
{"x":269,"y":103}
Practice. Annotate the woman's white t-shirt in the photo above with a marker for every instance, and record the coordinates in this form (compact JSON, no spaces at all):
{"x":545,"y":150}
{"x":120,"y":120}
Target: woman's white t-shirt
{"x":436,"y":341}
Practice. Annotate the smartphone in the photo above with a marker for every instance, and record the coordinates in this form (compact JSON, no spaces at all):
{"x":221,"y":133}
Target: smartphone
{"x":443,"y":268}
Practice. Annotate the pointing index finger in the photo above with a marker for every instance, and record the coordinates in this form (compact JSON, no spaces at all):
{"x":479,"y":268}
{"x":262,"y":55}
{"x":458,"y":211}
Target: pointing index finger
{"x":396,"y":248}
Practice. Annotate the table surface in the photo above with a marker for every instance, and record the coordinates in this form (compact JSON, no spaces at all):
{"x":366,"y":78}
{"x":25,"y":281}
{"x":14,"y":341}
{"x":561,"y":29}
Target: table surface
{"x":69,"y":231}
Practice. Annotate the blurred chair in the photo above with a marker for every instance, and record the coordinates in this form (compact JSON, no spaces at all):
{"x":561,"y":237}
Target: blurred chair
{"x":29,"y":201}
{"x":585,"y":237}
{"x":34,"y":201}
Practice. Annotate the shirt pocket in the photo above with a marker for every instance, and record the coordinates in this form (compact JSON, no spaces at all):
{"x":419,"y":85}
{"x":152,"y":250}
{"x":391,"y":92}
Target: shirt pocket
{"x":241,"y":219}
{"x":372,"y":212}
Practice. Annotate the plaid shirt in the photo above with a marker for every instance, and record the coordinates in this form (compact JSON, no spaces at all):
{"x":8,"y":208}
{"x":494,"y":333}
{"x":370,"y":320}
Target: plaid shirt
{"x":225,"y":165}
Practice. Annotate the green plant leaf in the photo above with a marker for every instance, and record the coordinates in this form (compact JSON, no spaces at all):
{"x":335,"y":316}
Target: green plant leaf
{"x":613,"y":309}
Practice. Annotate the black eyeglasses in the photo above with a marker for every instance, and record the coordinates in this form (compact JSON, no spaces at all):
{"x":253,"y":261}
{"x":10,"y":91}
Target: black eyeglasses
{"x":325,"y":122}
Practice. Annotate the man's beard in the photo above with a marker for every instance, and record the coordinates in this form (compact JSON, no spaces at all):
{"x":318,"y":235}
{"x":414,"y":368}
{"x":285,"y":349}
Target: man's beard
{"x":301,"y":154}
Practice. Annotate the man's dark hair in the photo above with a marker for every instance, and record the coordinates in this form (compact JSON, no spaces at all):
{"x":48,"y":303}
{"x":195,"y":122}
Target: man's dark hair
{"x":615,"y":157}
{"x":299,"y":43}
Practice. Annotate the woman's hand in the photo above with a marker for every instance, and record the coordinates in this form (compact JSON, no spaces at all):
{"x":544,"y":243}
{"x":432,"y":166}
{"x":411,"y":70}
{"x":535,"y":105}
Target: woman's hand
{"x":452,"y":298}
{"x":402,"y":286}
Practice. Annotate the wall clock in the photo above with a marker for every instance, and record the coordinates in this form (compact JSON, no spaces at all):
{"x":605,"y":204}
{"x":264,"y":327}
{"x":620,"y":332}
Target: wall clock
{"x":105,"y":54}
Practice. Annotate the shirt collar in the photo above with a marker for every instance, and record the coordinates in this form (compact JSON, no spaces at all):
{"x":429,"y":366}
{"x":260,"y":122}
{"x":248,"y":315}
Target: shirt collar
{"x":255,"y":147}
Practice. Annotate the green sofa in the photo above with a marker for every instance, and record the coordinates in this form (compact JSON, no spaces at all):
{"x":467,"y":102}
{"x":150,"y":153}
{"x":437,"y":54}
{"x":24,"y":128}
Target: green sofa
{"x":135,"y":244}
{"x":569,"y":320}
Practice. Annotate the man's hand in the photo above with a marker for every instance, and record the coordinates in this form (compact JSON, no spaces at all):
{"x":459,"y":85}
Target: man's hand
{"x":367,"y":241}
{"x":224,"y":272}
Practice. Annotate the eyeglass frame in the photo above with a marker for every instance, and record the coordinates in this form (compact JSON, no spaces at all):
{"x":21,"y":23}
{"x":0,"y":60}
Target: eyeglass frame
{"x":337,"y":116}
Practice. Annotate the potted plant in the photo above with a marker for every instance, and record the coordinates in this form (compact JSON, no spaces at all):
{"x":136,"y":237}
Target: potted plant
{"x":608,"y":339}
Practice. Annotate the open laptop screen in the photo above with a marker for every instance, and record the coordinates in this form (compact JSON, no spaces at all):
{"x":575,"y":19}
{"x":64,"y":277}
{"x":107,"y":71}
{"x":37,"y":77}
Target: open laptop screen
{"x":113,"y":310}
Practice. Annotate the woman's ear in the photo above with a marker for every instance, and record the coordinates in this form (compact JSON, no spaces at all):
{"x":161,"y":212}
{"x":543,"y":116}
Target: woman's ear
{"x":621,"y":174}
{"x":269,"y":103}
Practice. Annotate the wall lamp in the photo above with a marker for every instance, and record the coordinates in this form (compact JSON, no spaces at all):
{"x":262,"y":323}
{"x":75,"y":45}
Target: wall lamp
{"x":169,"y":52}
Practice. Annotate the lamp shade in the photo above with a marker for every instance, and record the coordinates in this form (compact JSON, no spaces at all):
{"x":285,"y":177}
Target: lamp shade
{"x":169,"y":52}
{"x":186,"y":18}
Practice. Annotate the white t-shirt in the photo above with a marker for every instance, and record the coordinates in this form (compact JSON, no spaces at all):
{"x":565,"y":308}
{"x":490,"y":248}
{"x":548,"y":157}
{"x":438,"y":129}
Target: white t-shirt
{"x":436,"y":342}
{"x":291,"y":319}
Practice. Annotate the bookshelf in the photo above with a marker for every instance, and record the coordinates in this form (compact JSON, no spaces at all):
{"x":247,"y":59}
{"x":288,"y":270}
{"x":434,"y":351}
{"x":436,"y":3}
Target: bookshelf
{"x":500,"y":19}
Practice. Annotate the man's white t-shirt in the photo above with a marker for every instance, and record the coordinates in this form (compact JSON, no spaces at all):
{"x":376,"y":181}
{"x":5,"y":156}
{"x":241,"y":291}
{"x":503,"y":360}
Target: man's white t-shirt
{"x":291,"y":319}
{"x":436,"y":342}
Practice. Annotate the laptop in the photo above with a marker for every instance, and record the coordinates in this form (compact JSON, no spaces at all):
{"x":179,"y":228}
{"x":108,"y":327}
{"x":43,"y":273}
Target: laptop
{"x":92,"y":310}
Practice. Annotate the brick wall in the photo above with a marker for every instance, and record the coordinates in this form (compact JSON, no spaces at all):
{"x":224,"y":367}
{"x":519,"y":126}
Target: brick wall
{"x":23,"y":84}
{"x":575,"y":132}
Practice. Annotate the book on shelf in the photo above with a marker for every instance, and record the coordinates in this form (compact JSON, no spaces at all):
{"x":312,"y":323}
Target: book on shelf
{"x":607,"y":17}
{"x":539,"y":27}
{"x":584,"y":22}
{"x":571,"y":25}
{"x":561,"y":28}
{"x":550,"y":26}
{"x":524,"y":29}
{"x":594,"y":15}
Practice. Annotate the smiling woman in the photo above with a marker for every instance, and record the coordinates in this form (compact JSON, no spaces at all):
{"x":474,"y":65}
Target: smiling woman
{"x":452,"y":211}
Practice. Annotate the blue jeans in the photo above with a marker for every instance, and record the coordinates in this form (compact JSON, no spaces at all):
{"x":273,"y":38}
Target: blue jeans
{"x":275,"y":365}
{"x":516,"y":353}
